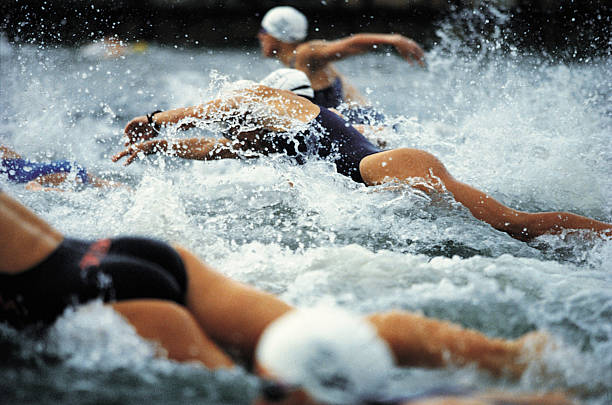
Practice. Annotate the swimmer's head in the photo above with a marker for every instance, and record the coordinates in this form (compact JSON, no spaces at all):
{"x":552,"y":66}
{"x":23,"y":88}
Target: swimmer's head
{"x":292,"y":80}
{"x":333,"y":356}
{"x":286,"y":24}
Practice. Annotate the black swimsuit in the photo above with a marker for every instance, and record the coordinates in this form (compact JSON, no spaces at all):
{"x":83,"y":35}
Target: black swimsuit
{"x":330,"y":137}
{"x":79,"y":271}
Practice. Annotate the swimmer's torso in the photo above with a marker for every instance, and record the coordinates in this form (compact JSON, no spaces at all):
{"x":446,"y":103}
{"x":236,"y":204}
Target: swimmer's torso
{"x":326,"y":136}
{"x":22,"y":170}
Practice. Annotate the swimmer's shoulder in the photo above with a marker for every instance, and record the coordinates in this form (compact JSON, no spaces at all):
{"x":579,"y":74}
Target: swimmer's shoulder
{"x":309,"y":52}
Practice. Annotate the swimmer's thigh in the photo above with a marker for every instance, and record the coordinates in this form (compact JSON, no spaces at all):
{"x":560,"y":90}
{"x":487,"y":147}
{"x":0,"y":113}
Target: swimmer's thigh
{"x":230,"y":312}
{"x":401,"y":164}
{"x":175,"y":329}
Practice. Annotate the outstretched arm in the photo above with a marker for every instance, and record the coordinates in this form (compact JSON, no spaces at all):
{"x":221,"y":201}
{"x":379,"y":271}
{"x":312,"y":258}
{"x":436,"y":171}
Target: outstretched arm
{"x":142,"y":128}
{"x":420,"y":341}
{"x":193,"y":148}
{"x":324,"y":52}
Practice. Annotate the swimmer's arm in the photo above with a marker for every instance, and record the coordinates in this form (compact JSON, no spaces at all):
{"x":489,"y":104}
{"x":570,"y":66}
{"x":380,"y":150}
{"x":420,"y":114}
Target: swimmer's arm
{"x":420,"y":341}
{"x":324,"y":51}
{"x":193,"y":148}
{"x":139,"y":129}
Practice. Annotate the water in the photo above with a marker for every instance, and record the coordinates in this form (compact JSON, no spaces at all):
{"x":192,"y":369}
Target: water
{"x":531,"y":131}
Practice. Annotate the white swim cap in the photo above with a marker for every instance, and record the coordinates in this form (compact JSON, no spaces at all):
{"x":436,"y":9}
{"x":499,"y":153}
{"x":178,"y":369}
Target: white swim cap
{"x":336,"y":357}
{"x":289,"y":79}
{"x":286,"y":24}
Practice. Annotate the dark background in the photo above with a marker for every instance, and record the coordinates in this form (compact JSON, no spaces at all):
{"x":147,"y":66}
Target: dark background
{"x":583,"y":26}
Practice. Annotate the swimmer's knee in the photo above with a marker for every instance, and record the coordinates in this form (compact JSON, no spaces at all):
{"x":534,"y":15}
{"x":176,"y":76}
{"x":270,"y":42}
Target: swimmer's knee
{"x":428,"y":162}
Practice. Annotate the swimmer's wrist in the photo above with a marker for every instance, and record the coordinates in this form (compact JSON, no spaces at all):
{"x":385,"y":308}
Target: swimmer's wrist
{"x":156,"y":125}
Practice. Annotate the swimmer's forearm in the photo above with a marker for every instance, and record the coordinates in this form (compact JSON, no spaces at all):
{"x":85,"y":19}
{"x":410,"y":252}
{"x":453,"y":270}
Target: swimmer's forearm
{"x":201,"y":149}
{"x":361,"y":43}
{"x":206,"y":111}
{"x":419,"y":341}
{"x":172,"y":117}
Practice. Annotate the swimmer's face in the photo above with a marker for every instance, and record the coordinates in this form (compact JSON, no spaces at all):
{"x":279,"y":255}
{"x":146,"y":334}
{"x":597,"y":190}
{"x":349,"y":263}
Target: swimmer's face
{"x":268,"y":44}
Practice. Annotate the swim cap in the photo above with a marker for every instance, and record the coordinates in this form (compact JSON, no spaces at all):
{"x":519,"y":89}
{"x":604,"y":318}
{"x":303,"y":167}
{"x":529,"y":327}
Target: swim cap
{"x":336,"y":357}
{"x":286,"y":24}
{"x":289,"y":79}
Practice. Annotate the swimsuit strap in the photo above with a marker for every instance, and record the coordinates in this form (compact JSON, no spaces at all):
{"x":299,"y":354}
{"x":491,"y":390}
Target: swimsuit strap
{"x":331,"y":96}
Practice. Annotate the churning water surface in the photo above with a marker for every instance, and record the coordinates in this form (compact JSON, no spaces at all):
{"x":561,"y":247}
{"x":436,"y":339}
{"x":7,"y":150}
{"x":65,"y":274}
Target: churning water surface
{"x":532,"y":132}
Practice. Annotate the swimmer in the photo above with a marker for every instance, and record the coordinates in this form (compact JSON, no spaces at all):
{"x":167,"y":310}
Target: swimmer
{"x":323,"y":134}
{"x":283,"y":30}
{"x":47,"y":175}
{"x":174,"y":299}
{"x":309,"y":351}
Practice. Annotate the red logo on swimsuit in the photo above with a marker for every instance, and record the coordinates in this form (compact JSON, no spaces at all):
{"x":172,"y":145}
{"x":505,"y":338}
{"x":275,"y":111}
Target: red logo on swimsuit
{"x":95,"y":254}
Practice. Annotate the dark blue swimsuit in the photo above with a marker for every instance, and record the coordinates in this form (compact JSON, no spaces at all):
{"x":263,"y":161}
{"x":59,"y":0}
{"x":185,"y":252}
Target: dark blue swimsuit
{"x":330,"y":97}
{"x":333,"y":97}
{"x":79,"y":271}
{"x":22,"y":170}
{"x":329,"y":137}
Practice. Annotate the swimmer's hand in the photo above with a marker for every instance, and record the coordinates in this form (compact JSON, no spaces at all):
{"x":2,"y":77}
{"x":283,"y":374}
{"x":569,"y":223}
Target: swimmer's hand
{"x":410,"y":50}
{"x":138,"y":130}
{"x":144,"y":148}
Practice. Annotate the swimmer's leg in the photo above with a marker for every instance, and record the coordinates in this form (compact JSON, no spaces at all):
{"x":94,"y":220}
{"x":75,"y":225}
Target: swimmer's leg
{"x":175,"y":329}
{"x":231,"y":313}
{"x":235,"y":315}
{"x":410,"y":163}
{"x":25,"y":238}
